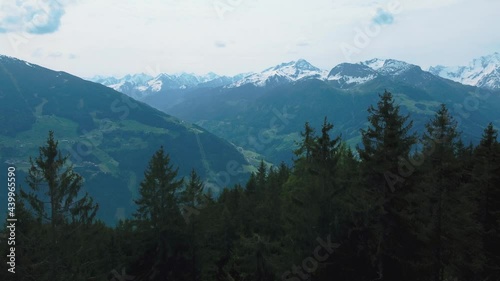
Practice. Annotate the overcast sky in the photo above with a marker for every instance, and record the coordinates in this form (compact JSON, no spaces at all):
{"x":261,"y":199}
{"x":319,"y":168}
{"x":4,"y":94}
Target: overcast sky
{"x":116,"y":37}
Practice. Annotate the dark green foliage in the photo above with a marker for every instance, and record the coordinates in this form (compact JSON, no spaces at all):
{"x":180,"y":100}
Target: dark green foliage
{"x":385,"y":142}
{"x":240,"y":114}
{"x":486,"y":179}
{"x":158,"y":195}
{"x":55,"y":189}
{"x":446,"y":222}
{"x":54,"y":217}
{"x":159,"y":219}
{"x":108,"y":135}
{"x":395,"y":210}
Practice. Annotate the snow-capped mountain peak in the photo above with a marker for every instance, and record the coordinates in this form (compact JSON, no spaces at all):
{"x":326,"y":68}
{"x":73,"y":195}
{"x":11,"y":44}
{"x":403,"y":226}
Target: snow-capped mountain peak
{"x":388,"y":66}
{"x":139,"y":78}
{"x":346,"y":75}
{"x":282,"y":73}
{"x":481,"y":72}
{"x":297,"y":65}
{"x":374,"y":64}
{"x":141,"y":85}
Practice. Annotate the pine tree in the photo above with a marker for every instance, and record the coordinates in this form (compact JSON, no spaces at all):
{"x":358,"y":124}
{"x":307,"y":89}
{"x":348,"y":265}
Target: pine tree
{"x":451,"y":224}
{"x":261,"y":177}
{"x":159,"y":219}
{"x":273,"y":208}
{"x":325,"y":159}
{"x":386,"y":140}
{"x":325,"y":150}
{"x":486,"y":179}
{"x":31,"y":244}
{"x":384,"y":143}
{"x":311,"y":193}
{"x":158,"y":203}
{"x":192,"y":198}
{"x":55,"y":200}
{"x":307,"y":144}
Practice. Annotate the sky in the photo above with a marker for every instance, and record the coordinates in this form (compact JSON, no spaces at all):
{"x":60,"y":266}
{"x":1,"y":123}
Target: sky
{"x":119,"y":37}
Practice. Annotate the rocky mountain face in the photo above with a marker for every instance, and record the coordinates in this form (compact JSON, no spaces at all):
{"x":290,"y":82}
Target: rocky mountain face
{"x":482,"y":72}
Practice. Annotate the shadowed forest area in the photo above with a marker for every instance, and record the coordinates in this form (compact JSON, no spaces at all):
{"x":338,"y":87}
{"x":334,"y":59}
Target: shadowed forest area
{"x":401,"y":206}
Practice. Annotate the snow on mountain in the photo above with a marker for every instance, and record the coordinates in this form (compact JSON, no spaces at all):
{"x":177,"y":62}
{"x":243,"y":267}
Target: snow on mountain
{"x":137,"y":79}
{"x":481,"y":72}
{"x":343,"y":75}
{"x":346,"y":75}
{"x":388,"y":66}
{"x":140,"y":85}
{"x":154,"y":84}
{"x":166,"y":81}
{"x":116,"y":83}
{"x":189,"y":80}
{"x":282,"y":73}
{"x":374,"y":64}
{"x":221,"y":81}
{"x":12,"y":60}
{"x":131,"y":84}
{"x":208,"y":77}
{"x":105,"y":80}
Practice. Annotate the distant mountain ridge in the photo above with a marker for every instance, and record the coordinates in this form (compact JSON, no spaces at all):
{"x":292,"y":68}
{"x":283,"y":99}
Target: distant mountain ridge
{"x":110,"y":137}
{"x":266,"y":111}
{"x":281,"y":74}
{"x":346,"y":75}
{"x":258,"y":112}
{"x":141,"y":85}
{"x":483,"y":72}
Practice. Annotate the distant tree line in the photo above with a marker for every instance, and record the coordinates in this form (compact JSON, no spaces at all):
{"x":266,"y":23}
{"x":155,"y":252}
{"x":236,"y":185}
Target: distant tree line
{"x":401,"y":206}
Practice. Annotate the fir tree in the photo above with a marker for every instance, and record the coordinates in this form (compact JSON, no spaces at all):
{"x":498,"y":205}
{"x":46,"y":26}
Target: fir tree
{"x":56,"y":201}
{"x":486,"y":178}
{"x":158,"y":203}
{"x":192,"y":198}
{"x":384,"y":143}
{"x":451,"y":224}
{"x":159,"y":218}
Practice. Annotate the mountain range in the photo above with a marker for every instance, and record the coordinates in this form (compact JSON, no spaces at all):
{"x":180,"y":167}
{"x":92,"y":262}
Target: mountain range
{"x":140,"y":85}
{"x":108,"y":136}
{"x":220,"y":122}
{"x":265,"y":112}
{"x":482,"y":72}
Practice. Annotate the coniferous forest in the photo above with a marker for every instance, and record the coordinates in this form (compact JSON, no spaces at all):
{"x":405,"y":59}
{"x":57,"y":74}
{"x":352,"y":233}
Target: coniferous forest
{"x":402,"y":206}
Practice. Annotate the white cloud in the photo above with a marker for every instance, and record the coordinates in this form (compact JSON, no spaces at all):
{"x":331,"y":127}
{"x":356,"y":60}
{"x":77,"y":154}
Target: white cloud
{"x":125,"y":36}
{"x":31,"y":16}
